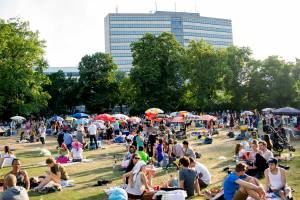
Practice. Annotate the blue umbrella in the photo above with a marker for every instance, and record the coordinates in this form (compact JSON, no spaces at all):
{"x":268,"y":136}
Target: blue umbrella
{"x":56,"y":118}
{"x":80,"y":115}
{"x":286,"y":111}
{"x":82,"y":121}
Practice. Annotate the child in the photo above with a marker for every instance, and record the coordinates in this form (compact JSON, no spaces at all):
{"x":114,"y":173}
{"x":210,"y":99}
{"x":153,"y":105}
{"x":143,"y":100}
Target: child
{"x":76,"y":151}
{"x":171,"y":183}
{"x":63,"y":154}
{"x":240,"y":152}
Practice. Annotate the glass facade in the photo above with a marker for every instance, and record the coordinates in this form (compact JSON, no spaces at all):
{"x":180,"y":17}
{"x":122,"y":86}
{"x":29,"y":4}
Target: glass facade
{"x":122,"y":29}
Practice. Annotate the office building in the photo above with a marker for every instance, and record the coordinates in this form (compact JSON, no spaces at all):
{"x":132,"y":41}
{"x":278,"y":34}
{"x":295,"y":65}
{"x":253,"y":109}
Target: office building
{"x":121,"y":29}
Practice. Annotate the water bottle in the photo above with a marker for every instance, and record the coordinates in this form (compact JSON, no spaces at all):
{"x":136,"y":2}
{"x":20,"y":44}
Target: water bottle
{"x":114,"y":164}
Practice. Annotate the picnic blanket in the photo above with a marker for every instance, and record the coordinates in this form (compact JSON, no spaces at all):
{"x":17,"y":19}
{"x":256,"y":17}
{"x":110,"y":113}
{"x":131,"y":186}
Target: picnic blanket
{"x":270,"y":196}
{"x":74,"y":163}
{"x":7,"y":162}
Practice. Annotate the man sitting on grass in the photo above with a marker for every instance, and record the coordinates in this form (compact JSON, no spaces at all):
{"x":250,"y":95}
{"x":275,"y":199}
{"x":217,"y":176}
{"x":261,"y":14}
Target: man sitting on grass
{"x":187,"y":178}
{"x":13,"y":192}
{"x":55,"y":175}
{"x":238,"y":186}
{"x":203,"y":174}
{"x":276,"y":180}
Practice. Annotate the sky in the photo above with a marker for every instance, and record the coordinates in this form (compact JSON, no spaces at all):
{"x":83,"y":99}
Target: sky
{"x":74,"y":28}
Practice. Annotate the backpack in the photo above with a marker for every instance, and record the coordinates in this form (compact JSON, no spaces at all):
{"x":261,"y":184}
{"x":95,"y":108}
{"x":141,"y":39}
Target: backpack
{"x":208,"y":140}
{"x":231,"y":135}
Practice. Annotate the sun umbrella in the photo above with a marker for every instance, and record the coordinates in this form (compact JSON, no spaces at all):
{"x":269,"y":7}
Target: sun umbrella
{"x":80,"y":115}
{"x":177,"y":120}
{"x":191,"y":116}
{"x":174,"y":114}
{"x":247,"y":113}
{"x":267,"y":110}
{"x":99,"y":125}
{"x":161,"y":115}
{"x":135,"y":120}
{"x":105,"y":117}
{"x":18,"y":118}
{"x":56,"y":118}
{"x":154,"y":111}
{"x":286,"y":111}
{"x":82,"y":121}
{"x":207,"y":118}
{"x":70,"y":118}
{"x":121,"y":116}
{"x":183,"y":113}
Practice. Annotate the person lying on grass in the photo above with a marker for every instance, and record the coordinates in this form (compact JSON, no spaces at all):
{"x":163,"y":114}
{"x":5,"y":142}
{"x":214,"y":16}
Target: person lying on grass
{"x":55,"y":175}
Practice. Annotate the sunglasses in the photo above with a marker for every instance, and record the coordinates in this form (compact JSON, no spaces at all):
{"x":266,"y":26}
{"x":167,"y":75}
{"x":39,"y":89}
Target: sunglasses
{"x":137,"y":158}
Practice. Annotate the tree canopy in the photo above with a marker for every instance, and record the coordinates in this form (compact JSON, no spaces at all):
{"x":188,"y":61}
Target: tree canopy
{"x":97,"y":82}
{"x":156,"y":77}
{"x":21,"y":70}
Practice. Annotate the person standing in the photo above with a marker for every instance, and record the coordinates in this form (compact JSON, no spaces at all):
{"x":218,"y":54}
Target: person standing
{"x":92,"y":133}
{"x":42,"y":133}
{"x":68,"y":139}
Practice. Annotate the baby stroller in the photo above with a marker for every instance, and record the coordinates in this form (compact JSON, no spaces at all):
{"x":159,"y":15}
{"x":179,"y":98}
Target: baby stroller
{"x":279,"y":140}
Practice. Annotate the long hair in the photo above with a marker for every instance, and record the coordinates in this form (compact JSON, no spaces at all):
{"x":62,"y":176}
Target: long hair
{"x":237,"y":148}
{"x":268,"y":141}
{"x":131,"y":165}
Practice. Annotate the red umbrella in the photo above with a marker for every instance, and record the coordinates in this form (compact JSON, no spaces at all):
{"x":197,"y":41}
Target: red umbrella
{"x":105,"y":117}
{"x":177,"y":120}
{"x":207,"y":118}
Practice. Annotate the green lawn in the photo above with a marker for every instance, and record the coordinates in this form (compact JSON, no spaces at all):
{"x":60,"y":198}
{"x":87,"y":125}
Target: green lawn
{"x":87,"y":174}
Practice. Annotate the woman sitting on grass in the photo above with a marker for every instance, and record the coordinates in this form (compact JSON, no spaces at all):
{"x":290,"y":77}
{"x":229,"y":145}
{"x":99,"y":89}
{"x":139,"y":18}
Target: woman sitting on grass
{"x":138,"y":182}
{"x":76,"y":151}
{"x":56,"y":174}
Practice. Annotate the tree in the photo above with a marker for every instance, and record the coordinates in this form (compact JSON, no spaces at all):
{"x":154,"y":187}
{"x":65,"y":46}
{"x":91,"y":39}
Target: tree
{"x":236,"y":75}
{"x":21,"y":70}
{"x":61,"y":89}
{"x":204,"y":73}
{"x":97,"y":82}
{"x":156,"y":77}
{"x":271,"y":84}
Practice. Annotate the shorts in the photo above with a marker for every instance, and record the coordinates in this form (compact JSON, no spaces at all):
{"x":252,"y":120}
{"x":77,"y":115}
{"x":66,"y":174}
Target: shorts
{"x":238,"y":195}
{"x":277,"y":192}
{"x":202,"y":184}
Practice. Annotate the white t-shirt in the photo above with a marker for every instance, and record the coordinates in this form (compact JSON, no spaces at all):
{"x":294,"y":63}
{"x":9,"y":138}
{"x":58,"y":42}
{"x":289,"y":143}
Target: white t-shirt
{"x":267,"y":154}
{"x":77,"y":154}
{"x":42,"y":132}
{"x":92,"y":129}
{"x":206,"y":177}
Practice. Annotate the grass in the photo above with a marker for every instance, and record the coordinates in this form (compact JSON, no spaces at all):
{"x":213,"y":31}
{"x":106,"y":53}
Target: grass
{"x":86,"y":175}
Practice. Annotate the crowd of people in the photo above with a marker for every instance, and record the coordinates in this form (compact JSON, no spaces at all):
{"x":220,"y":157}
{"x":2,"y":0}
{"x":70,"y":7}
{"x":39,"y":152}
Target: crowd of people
{"x":151,"y":146}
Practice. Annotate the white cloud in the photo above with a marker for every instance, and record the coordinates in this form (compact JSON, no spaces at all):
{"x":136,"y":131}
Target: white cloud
{"x":73,"y":28}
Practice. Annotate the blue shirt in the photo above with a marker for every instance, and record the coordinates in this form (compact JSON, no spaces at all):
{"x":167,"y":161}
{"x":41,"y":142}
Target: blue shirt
{"x":67,"y":138}
{"x":230,"y":186}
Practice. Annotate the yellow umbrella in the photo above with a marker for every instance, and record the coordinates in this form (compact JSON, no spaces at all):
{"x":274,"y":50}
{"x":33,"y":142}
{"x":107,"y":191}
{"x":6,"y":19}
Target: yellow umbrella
{"x":70,"y":118}
{"x":154,"y":111}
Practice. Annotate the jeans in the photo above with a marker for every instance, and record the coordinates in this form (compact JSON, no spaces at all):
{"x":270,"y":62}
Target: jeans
{"x":93,"y":138}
